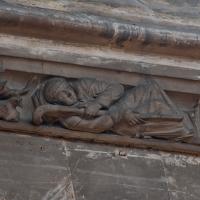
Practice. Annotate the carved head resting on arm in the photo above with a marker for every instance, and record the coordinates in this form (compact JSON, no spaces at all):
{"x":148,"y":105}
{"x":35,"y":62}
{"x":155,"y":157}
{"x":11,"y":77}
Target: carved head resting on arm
{"x":59,"y":91}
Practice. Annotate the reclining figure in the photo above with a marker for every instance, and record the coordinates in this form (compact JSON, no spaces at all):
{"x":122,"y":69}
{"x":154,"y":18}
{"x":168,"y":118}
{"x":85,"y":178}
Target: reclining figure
{"x":97,"y":106}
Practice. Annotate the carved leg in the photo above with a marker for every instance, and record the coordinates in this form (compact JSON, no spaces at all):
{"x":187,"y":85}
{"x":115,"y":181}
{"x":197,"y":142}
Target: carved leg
{"x":96,"y":125}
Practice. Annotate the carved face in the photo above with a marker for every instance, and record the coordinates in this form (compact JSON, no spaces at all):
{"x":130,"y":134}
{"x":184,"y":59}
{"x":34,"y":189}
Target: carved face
{"x":59,"y":91}
{"x":66,"y":97}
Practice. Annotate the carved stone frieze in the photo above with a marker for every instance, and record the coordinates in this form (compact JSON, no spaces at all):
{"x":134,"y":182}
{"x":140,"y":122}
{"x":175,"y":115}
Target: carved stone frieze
{"x":90,"y":109}
{"x":153,"y":58}
{"x":95,"y":106}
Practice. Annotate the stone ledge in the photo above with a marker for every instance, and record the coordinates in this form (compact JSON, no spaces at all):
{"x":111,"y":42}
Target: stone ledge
{"x":34,"y":67}
{"x":123,"y":141}
{"x":65,"y":59}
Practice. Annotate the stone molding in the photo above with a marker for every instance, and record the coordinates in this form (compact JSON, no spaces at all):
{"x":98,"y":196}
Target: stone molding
{"x":43,"y":41}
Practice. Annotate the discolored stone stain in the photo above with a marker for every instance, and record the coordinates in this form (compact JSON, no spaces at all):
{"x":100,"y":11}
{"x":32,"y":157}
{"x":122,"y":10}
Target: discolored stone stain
{"x":63,"y":190}
{"x":126,"y":34}
{"x":182,"y":2}
{"x":111,"y":3}
{"x":123,"y":35}
{"x":118,"y":33}
{"x":147,"y":38}
{"x":108,"y":31}
{"x":163,"y":39}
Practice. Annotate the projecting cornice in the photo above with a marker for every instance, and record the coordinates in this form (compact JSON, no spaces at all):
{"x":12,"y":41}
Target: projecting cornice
{"x":94,"y":29}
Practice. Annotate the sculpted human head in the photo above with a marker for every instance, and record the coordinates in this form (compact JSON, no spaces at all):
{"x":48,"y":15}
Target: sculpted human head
{"x":59,"y":91}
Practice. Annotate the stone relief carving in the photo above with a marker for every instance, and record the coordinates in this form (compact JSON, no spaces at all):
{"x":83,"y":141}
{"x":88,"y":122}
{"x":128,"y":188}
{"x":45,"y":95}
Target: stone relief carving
{"x":95,"y":106}
{"x":197,"y":118}
{"x":10,"y":99}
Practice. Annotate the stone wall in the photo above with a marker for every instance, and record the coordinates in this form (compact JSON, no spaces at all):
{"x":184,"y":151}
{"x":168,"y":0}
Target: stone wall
{"x":34,"y":168}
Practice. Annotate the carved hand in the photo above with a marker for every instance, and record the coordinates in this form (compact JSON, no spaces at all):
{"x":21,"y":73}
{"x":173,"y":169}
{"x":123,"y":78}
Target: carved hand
{"x":91,"y":108}
{"x":133,"y":118}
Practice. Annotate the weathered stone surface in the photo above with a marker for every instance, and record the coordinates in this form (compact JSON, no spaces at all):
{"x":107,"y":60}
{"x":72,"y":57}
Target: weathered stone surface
{"x":155,"y":32}
{"x":32,"y":168}
{"x":35,"y":168}
{"x":101,"y":175}
{"x":46,"y":54}
{"x":174,"y":11}
{"x":183,"y":185}
{"x":118,"y":40}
